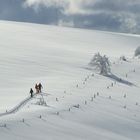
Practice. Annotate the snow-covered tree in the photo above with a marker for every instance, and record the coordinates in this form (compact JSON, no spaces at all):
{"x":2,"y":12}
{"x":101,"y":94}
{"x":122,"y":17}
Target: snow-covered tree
{"x":137,"y":51}
{"x":100,"y":63}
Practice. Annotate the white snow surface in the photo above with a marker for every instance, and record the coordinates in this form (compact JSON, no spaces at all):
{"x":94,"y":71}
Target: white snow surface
{"x":58,"y":57}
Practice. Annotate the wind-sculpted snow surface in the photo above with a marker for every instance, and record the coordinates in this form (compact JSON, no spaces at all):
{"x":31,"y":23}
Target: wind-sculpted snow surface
{"x":82,"y":104}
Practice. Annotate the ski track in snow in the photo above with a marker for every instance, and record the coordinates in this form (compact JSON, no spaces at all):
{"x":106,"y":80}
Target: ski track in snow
{"x":20,"y":105}
{"x":16,"y":108}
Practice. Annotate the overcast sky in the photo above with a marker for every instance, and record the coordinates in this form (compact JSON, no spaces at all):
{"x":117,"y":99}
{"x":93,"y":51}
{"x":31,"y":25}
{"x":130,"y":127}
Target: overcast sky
{"x":110,"y":15}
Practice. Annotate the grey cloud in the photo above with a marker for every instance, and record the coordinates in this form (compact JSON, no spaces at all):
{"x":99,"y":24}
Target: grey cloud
{"x":110,"y":15}
{"x":14,"y":10}
{"x":93,"y":21}
{"x":132,"y":6}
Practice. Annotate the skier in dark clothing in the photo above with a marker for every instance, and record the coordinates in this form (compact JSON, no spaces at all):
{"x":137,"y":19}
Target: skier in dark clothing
{"x":40,"y":87}
{"x":31,"y":92}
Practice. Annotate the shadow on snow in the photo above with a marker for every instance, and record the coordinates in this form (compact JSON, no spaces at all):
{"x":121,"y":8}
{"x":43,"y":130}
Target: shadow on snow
{"x":120,"y":80}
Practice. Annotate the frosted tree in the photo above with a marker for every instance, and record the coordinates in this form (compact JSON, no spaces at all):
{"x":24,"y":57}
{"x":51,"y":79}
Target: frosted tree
{"x":137,"y":51}
{"x":100,"y":63}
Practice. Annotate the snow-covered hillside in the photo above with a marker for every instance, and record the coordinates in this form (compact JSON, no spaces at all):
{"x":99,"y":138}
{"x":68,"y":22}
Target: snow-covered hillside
{"x":80,"y":103}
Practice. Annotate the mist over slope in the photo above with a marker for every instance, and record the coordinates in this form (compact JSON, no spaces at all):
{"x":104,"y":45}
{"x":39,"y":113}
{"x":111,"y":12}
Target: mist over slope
{"x":57,"y":57}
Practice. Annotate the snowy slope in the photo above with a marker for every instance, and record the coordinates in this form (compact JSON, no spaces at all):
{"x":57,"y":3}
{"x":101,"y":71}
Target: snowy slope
{"x":58,"y":58}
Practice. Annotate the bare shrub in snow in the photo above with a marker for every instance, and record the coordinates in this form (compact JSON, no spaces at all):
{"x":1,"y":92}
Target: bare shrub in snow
{"x":41,"y":102}
{"x":137,"y":51}
{"x":123,"y":58}
{"x":100,"y":63}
